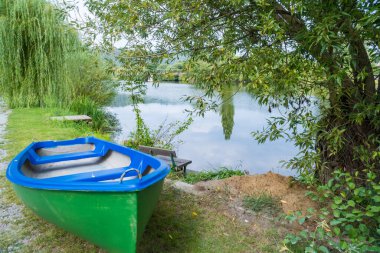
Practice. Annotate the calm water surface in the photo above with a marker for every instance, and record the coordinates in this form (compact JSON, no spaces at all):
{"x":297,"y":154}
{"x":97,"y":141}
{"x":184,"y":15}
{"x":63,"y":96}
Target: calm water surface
{"x":204,"y":142}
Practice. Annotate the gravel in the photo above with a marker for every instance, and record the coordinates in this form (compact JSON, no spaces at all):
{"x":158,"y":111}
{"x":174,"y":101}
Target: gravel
{"x":10,"y":213}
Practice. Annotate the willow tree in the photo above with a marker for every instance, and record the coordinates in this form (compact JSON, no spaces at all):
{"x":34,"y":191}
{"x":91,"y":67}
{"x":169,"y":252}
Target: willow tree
{"x":34,"y":45}
{"x":315,"y":60}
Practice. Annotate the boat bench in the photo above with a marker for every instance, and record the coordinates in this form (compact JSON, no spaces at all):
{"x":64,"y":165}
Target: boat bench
{"x":168,"y":156}
{"x":75,"y":118}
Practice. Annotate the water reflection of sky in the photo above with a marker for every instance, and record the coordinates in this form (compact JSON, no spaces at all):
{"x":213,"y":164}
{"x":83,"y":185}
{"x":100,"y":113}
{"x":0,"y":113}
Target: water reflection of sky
{"x":204,"y":142}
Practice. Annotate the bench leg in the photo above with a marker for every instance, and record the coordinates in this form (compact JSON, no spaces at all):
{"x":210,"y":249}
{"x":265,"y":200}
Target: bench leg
{"x":184,"y":171}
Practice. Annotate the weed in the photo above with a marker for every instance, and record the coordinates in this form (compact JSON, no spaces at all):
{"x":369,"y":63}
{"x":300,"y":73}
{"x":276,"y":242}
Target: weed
{"x":162,"y":137}
{"x":222,"y":173}
{"x":262,"y":203}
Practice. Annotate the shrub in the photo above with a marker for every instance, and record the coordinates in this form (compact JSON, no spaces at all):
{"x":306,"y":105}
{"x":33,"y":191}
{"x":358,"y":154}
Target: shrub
{"x":162,"y":137}
{"x":89,"y":77}
{"x":351,"y":220}
{"x":101,"y":120}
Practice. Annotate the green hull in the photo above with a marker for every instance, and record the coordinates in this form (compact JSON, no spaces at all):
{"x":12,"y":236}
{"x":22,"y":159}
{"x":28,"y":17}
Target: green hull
{"x":114,"y":221}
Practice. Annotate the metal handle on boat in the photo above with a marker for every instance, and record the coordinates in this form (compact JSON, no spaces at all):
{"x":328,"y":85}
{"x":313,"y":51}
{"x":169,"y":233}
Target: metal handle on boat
{"x":125,"y":172}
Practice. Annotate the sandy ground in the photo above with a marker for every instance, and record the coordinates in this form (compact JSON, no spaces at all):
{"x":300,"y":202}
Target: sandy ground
{"x":227,"y":197}
{"x":290,"y":194}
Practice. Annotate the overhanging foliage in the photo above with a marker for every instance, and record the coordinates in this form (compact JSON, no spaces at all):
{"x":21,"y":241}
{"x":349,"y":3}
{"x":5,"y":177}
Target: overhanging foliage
{"x":314,"y":60}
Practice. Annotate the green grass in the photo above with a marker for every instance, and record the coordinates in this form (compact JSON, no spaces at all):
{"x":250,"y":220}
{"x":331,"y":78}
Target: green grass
{"x":262,"y":203}
{"x":181,"y":222}
{"x":28,"y":125}
{"x":222,"y":173}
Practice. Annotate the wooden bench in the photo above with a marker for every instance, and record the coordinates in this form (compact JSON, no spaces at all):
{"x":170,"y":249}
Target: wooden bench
{"x":76,"y":118}
{"x":168,"y":156}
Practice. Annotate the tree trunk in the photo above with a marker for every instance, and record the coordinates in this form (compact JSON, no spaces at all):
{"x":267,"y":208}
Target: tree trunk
{"x":355,"y":155}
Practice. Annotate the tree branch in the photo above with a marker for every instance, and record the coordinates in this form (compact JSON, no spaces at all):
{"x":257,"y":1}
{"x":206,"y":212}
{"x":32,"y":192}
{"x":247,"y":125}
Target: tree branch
{"x":363,"y":64}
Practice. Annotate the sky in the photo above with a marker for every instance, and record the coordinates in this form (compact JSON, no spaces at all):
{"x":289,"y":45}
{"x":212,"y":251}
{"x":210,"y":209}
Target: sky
{"x":80,"y":14}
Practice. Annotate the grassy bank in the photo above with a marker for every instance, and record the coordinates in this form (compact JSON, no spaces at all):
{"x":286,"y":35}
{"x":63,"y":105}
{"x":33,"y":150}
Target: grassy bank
{"x":181,"y":222}
{"x":221,"y":173}
{"x":28,"y":125}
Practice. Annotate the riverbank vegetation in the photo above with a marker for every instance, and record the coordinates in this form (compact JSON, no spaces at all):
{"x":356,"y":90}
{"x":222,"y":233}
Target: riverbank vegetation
{"x":165,"y":136}
{"x":43,"y":63}
{"x":217,"y":174}
{"x":283,"y":53}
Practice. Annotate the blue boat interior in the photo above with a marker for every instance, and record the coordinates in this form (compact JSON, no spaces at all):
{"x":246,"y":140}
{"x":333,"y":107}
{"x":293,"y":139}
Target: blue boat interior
{"x":85,"y":160}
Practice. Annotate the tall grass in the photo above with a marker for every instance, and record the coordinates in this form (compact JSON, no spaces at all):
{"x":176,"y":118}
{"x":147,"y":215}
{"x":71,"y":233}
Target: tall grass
{"x":102,"y":120}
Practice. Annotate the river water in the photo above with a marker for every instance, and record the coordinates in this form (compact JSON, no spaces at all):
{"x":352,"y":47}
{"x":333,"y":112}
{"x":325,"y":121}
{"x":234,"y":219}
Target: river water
{"x":204,"y":142}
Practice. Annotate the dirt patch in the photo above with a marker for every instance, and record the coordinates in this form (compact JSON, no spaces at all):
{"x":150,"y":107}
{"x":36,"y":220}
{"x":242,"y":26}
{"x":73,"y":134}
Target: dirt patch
{"x":290,"y":193}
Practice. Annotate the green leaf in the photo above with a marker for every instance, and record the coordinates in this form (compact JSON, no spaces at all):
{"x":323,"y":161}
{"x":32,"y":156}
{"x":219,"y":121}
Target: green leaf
{"x":301,"y":220}
{"x":370,"y":213}
{"x":310,"y":250}
{"x":375,"y":209}
{"x":330,"y":183}
{"x":336,"y":231}
{"x":336,"y":213}
{"x":343,"y":245}
{"x":294,"y":239}
{"x":376,"y":198}
{"x":337,"y":200}
{"x":373,"y":249}
{"x":323,"y":249}
{"x":363,"y":228}
{"x":335,"y":222}
{"x":351,"y":203}
{"x":304,"y":234}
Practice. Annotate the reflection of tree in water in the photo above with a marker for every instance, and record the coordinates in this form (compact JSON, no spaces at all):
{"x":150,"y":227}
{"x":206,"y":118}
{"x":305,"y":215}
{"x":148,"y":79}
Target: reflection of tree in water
{"x":227,"y":110}
{"x":121,"y":100}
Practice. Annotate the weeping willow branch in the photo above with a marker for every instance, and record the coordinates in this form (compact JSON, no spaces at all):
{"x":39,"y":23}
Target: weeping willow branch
{"x":35,"y":44}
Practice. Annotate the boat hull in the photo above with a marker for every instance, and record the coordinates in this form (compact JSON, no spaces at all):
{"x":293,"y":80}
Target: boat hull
{"x":114,"y":221}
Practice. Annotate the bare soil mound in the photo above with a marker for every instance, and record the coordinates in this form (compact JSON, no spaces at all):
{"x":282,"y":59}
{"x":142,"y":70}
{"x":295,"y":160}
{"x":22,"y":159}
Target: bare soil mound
{"x":290,"y":193}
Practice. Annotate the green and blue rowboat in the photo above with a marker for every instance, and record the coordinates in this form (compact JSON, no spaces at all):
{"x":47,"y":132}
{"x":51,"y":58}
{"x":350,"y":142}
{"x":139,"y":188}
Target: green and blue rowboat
{"x":100,"y":191}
